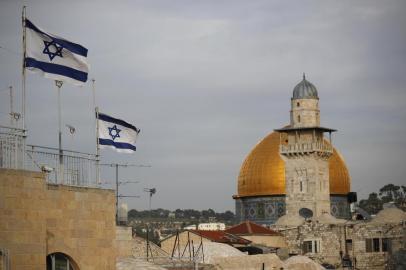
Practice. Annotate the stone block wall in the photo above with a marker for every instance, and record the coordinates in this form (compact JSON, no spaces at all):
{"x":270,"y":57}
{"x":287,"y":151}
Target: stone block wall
{"x":307,"y":110}
{"x":332,"y":239}
{"x":307,"y":184}
{"x":38,"y":219}
{"x":23,"y":216}
{"x":124,"y":241}
{"x":80,"y":222}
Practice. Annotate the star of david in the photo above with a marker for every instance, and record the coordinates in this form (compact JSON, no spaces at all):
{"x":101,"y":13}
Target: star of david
{"x":52,"y":49}
{"x":114,"y":132}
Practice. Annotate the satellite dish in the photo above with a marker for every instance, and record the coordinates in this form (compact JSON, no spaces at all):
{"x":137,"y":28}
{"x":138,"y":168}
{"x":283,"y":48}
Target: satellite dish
{"x":306,"y":213}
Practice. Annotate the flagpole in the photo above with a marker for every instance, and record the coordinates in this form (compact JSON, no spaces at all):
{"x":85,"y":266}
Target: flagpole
{"x":23,"y":68}
{"x":23,"y":15}
{"x":61,"y":169}
{"x":96,"y":109}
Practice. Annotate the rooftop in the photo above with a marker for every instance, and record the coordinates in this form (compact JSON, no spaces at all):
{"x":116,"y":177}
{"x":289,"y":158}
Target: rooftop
{"x":221,"y":237}
{"x":247,"y":227}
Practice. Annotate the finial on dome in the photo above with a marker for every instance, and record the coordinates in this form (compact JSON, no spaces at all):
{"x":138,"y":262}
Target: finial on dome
{"x":304,"y":76}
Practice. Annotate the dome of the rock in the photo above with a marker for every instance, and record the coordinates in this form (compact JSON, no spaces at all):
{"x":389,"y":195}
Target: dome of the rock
{"x":263,"y":171}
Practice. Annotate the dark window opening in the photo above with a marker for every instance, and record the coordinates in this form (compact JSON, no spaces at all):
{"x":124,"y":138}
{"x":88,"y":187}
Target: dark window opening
{"x":386,"y":245}
{"x":298,"y":104}
{"x":372,"y":245}
{"x":298,"y":118}
{"x":376,"y":244}
{"x":348,"y":244}
{"x":59,"y":261}
{"x":312,"y":246}
{"x":368,"y":245}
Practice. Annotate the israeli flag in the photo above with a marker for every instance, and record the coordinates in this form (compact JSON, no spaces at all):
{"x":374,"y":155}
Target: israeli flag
{"x":116,"y":133}
{"x":56,"y":58}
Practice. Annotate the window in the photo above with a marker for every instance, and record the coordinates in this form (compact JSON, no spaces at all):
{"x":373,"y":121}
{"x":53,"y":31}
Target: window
{"x":368,"y":245}
{"x":298,"y":118}
{"x":298,"y":104}
{"x":348,"y":244}
{"x":374,"y":245}
{"x":311,"y":246}
{"x":60,"y":261}
{"x":386,"y":245}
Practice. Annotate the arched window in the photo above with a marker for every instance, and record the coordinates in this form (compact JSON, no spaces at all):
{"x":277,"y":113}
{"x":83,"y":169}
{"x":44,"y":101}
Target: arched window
{"x":298,"y":104}
{"x":298,"y":118}
{"x":60,"y":261}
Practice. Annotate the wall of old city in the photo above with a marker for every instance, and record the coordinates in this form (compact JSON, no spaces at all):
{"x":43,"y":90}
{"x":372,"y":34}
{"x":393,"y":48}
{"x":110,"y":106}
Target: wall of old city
{"x":38,"y":219}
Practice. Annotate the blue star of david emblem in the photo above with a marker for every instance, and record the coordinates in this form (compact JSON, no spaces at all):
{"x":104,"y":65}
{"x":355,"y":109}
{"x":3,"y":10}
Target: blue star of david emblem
{"x":114,"y":132}
{"x":52,"y":49}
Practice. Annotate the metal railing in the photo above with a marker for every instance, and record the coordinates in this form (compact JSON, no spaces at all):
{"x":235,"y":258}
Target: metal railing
{"x":68,"y":167}
{"x":65,"y":167}
{"x":12,"y":141}
{"x":305,"y":148}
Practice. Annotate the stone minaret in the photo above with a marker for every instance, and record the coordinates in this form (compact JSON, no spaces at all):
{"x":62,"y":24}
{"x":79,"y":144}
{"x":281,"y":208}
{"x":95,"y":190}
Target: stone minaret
{"x":306,"y":154}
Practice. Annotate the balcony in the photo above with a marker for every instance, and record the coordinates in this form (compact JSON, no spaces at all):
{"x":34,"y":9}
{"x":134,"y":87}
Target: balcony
{"x":66,"y":167}
{"x":306,"y":148}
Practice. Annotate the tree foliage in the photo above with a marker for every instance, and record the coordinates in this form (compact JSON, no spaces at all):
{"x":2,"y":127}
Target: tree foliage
{"x":388,"y":193}
{"x":189,"y":214}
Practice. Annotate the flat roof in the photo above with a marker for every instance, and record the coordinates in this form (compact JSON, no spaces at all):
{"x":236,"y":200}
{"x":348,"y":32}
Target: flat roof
{"x":323,"y":129}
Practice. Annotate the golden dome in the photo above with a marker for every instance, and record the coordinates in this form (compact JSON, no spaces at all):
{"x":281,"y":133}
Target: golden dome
{"x":263,"y":171}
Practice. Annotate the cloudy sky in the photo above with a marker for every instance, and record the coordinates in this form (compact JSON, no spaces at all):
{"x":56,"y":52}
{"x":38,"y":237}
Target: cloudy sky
{"x":206,"y":80}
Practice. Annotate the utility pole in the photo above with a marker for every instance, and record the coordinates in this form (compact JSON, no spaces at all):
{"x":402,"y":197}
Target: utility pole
{"x":118,"y":183}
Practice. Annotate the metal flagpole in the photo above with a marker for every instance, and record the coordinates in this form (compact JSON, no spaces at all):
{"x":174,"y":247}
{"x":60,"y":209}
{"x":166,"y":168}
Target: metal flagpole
{"x":23,"y":68}
{"x":61,"y":169}
{"x":96,"y":109}
{"x":23,"y":15}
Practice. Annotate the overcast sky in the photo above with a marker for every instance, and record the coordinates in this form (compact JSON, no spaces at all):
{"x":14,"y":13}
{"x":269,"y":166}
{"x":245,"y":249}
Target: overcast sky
{"x":206,"y":80}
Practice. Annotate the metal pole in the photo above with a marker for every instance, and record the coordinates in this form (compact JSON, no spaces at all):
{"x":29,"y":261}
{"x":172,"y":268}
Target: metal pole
{"x":61,"y":169}
{"x":116,"y":193}
{"x":97,"y":147}
{"x":11,"y":106}
{"x":97,"y":133}
{"x":23,"y":68}
{"x":23,"y":15}
{"x":150,"y":198}
{"x":147,"y":242}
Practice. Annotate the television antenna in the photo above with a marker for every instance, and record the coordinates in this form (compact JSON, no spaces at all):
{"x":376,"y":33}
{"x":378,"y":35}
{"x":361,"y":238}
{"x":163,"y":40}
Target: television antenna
{"x":118,"y":183}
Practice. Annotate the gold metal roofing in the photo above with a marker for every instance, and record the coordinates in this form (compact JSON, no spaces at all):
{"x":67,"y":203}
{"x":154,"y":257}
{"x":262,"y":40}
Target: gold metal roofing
{"x":263,"y":171}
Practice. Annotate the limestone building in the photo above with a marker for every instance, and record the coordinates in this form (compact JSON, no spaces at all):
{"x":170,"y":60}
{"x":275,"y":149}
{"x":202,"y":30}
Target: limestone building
{"x":294,"y":168}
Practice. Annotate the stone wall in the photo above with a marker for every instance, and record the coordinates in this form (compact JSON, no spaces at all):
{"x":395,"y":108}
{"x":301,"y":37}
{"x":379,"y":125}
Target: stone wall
{"x":124,"y":241}
{"x":307,"y":110}
{"x":332,"y":240}
{"x":23,"y":216}
{"x":37,"y":219}
{"x":307,"y":183}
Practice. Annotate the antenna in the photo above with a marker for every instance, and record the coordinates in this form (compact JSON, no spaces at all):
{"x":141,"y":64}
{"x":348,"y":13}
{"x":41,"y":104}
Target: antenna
{"x":151,"y":192}
{"x":118,"y":183}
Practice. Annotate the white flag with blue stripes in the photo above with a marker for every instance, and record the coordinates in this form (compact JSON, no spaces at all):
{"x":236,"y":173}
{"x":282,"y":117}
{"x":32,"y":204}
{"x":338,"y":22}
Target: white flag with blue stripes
{"x":116,"y":133}
{"x":56,"y":58}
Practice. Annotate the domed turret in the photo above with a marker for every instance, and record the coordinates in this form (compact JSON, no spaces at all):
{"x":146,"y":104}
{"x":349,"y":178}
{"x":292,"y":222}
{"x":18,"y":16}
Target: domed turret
{"x":305,"y":89}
